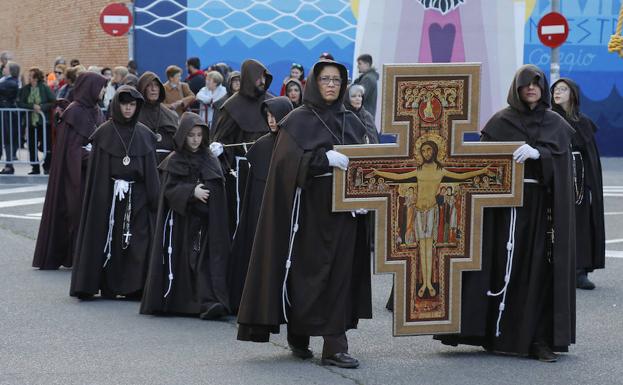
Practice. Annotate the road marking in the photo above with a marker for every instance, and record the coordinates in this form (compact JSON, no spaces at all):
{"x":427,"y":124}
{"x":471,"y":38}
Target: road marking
{"x":18,"y":190}
{"x":614,"y":253}
{"x":21,"y":202}
{"x":19,"y":217}
{"x":614,"y":213}
{"x":618,"y":240}
{"x":613,"y":195}
{"x":34,"y":215}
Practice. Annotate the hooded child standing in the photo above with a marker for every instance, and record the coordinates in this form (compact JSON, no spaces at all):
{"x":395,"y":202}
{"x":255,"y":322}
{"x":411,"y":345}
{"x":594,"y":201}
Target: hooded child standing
{"x":121,"y":197}
{"x":191,"y":232}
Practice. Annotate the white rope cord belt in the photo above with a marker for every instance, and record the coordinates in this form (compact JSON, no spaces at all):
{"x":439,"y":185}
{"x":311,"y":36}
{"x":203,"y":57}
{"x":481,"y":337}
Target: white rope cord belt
{"x":528,"y":180}
{"x":119,"y":190}
{"x":238,"y":159}
{"x":510,"y":249}
{"x":163,"y":150}
{"x":294,"y":227}
{"x":168,"y":221}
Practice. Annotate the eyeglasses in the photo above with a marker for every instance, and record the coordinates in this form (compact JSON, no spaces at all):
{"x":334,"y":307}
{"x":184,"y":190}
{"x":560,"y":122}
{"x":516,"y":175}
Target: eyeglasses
{"x":561,"y":89}
{"x":325,"y":80}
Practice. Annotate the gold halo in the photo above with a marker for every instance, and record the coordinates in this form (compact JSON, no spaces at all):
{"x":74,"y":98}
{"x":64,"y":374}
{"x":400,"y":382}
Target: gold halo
{"x":437,"y":139}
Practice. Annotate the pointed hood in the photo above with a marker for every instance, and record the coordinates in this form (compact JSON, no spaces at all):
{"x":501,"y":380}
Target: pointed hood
{"x":88,"y":88}
{"x":187,"y":122}
{"x":312,"y":96}
{"x":523,"y":77}
{"x":279,"y":107}
{"x":115,"y":105}
{"x":146,"y":80}
{"x":250,"y":72}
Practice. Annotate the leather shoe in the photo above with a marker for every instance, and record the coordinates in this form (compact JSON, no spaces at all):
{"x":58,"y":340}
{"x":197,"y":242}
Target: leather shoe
{"x":582,"y":282}
{"x":543,"y":353}
{"x":7,"y":171}
{"x":215,"y":311}
{"x":302,"y":353}
{"x":341,"y":360}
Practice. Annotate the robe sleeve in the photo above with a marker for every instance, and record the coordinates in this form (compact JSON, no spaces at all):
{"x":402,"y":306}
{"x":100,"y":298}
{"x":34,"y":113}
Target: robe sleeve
{"x":313,"y":163}
{"x":178,"y":194}
{"x":152,"y":181}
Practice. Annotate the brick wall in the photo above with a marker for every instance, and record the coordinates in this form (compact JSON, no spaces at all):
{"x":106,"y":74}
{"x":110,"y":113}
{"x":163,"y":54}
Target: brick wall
{"x":36,"y":32}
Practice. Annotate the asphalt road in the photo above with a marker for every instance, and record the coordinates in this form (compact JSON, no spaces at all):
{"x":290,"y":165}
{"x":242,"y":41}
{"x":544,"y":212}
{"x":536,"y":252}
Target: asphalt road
{"x":46,"y":337}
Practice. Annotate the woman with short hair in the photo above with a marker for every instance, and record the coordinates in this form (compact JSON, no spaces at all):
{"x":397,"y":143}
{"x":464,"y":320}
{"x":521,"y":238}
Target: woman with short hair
{"x":354,"y":103}
{"x":209,"y":94}
{"x":178,"y":95}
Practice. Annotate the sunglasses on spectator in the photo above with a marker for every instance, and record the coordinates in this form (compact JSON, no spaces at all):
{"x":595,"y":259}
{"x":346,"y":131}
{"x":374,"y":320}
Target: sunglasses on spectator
{"x":325,"y":80}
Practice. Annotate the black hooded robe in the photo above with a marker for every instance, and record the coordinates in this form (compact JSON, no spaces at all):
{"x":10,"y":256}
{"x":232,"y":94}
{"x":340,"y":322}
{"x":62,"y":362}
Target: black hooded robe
{"x":259,"y":160}
{"x":540,"y":299}
{"x":199,"y":237}
{"x":124,"y":273}
{"x":588,"y":184}
{"x":329,"y":281}
{"x":60,"y":219}
{"x":240,"y":121}
{"x":161,"y":120}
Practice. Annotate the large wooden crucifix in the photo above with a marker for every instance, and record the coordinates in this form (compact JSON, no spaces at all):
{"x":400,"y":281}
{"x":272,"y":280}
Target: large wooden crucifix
{"x":429,"y":190}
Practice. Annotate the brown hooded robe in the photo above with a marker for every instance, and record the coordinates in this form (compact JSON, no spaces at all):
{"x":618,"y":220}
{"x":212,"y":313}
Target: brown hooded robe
{"x":329,"y":280}
{"x":124,"y":273}
{"x":199,"y":238}
{"x":159,"y":119}
{"x":540,"y":300}
{"x":58,"y":230}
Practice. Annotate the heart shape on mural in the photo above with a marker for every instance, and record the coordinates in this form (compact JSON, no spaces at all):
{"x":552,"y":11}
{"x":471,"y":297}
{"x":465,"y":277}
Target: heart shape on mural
{"x":441,"y":42}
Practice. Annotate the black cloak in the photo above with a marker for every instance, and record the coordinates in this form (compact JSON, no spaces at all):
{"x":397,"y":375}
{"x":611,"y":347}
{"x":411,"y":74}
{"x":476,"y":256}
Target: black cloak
{"x":161,"y":120}
{"x":58,"y":230}
{"x":589,"y":209}
{"x":372,"y":135}
{"x":124,"y":273}
{"x":198,"y":237}
{"x":329,"y":281}
{"x":540,"y":300}
{"x":240,"y":120}
{"x":259,"y":159}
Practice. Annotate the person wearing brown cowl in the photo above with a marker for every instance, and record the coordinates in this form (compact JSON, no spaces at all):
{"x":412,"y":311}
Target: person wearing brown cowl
{"x":61,"y":210}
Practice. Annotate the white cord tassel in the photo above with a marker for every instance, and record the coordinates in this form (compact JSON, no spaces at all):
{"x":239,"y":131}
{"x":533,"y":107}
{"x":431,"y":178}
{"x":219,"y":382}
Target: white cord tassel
{"x":294,"y":227}
{"x":238,"y":159}
{"x":510,"y":249}
{"x":120,"y":188}
{"x":170,"y":251}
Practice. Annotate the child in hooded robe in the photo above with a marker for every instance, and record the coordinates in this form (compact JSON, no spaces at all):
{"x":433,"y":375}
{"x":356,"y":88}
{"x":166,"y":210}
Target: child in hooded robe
{"x":188,"y":265}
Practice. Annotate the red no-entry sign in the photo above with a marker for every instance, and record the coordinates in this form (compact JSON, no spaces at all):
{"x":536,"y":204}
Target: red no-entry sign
{"x":116,"y":19}
{"x":553,"y":29}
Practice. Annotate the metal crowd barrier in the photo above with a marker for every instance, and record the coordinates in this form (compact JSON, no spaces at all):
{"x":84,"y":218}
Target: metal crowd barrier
{"x":16,"y":131}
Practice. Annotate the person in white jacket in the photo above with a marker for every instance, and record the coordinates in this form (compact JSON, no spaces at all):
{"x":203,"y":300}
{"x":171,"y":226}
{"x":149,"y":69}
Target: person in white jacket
{"x":209,"y":94}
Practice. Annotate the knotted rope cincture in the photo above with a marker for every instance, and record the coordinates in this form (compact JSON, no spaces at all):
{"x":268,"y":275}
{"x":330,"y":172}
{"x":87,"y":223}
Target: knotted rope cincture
{"x":120,"y":188}
{"x":168,"y":221}
{"x":510,"y":249}
{"x":616,"y":41}
{"x":294,"y":227}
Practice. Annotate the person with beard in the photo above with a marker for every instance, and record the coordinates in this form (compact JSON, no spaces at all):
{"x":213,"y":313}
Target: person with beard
{"x":354,"y":102}
{"x":232,"y":85}
{"x":309,"y":266}
{"x":587,"y":182}
{"x":191,"y":234}
{"x":240,"y":123}
{"x":159,"y":119}
{"x":532,"y":310}
{"x":273,"y":110}
{"x":61,"y":209}
{"x":294,"y":92}
{"x":120,"y":199}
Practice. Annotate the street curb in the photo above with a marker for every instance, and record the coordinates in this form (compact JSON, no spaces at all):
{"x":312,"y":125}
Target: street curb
{"x":23,"y":179}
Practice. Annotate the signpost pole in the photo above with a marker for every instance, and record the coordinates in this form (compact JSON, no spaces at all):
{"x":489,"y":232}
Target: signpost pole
{"x":131,"y":33}
{"x":554,"y":68}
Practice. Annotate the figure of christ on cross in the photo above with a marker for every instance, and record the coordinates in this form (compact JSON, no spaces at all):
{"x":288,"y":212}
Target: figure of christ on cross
{"x":429,"y":176}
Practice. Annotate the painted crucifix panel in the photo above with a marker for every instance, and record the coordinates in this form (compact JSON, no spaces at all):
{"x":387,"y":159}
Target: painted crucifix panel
{"x":429,"y":190}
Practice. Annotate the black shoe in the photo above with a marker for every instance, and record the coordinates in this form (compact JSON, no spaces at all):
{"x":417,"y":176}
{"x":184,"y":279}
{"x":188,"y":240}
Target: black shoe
{"x":302,"y":353}
{"x":215,"y":311}
{"x":543,"y":353}
{"x":35,"y":171}
{"x":341,"y":360}
{"x":7,"y":171}
{"x":582,"y":282}
{"x":85,"y":296}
